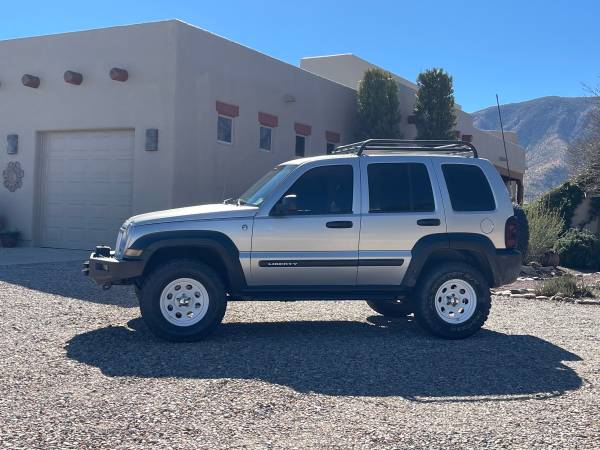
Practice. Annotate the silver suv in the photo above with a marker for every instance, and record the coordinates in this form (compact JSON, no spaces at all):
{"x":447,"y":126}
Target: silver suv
{"x":423,"y":227}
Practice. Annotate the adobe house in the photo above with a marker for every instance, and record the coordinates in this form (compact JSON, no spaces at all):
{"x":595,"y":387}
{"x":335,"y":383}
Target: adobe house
{"x":98,"y":125}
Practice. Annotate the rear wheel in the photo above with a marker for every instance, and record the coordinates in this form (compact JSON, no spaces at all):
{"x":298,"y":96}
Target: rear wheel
{"x":452,"y":301}
{"x":400,"y":307}
{"x":183,"y":300}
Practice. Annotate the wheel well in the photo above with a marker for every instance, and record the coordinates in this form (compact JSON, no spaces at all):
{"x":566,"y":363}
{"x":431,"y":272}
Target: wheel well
{"x":206,"y":255}
{"x":473,"y":258}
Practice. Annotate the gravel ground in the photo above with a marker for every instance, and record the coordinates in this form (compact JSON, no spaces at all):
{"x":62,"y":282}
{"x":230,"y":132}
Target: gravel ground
{"x":78,"y":369}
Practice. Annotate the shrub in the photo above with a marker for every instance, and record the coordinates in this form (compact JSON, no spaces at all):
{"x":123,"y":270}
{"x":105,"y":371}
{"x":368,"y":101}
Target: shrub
{"x":566,"y":285}
{"x":578,"y":249}
{"x":564,"y":200}
{"x":523,"y":224}
{"x":545,"y":225}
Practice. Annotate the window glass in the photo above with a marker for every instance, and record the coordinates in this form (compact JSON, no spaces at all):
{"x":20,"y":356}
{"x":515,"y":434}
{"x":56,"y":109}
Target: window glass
{"x":257,"y":193}
{"x":399,"y":187}
{"x":330,"y":148}
{"x":468,"y":188}
{"x":322,"y":190}
{"x":265,"y":138}
{"x":224,"y":129}
{"x":300,"y":146}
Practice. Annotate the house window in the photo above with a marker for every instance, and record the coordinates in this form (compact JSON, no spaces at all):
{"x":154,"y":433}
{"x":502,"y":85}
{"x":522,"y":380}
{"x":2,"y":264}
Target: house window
{"x":265,"y":138}
{"x":300,"y":146}
{"x":225,"y":129}
{"x":330,"y":148}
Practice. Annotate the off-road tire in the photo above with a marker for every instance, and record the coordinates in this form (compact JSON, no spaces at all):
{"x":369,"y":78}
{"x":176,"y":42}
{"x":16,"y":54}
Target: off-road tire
{"x":425,"y":298}
{"x":156,"y":281}
{"x":392,"y":308}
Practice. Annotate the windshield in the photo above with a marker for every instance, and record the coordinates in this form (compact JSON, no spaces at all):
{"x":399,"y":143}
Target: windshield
{"x":259,"y":190}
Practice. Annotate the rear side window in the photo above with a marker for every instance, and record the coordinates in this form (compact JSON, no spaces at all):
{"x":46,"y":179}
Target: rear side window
{"x":468,"y":188}
{"x":399,"y":187}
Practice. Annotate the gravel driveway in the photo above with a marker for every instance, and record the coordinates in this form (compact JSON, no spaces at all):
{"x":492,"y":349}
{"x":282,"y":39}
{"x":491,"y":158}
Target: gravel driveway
{"x":78,"y":369}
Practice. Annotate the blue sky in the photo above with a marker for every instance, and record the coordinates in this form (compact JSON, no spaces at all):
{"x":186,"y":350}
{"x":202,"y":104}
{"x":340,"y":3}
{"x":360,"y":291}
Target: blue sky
{"x":519,"y":49}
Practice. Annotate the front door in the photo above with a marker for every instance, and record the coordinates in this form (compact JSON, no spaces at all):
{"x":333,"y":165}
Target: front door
{"x":310,"y":235}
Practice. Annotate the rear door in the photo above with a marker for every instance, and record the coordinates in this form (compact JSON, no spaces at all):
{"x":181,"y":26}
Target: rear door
{"x":400,"y":204}
{"x":314,"y":241}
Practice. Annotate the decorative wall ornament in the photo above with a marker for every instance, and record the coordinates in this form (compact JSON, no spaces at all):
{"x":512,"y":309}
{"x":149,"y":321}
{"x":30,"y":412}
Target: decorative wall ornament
{"x":30,"y":81}
{"x":72,"y":77}
{"x":151,"y":139}
{"x":13,"y":176}
{"x":117,"y":74}
{"x":12,"y":144}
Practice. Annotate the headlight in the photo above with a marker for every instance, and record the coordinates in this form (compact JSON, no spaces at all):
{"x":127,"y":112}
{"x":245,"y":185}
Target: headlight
{"x":121,"y":241}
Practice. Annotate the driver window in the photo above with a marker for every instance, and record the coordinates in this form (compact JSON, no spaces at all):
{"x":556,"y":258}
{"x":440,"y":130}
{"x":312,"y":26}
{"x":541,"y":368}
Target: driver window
{"x":322,"y":190}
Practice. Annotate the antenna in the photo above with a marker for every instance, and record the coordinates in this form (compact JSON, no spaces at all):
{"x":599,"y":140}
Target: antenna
{"x":503,"y":140}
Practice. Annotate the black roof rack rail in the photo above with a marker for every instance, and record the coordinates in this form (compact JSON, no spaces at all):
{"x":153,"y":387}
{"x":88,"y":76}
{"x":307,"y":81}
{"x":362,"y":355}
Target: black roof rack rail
{"x":444,"y":146}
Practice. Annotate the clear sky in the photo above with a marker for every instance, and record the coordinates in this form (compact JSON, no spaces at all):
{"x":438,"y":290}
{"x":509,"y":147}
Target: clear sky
{"x":519,"y":49}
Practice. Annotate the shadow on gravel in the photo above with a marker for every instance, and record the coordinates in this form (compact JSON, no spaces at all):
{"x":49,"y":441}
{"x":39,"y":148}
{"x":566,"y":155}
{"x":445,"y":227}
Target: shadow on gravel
{"x":381,"y":357}
{"x":65,"y":279}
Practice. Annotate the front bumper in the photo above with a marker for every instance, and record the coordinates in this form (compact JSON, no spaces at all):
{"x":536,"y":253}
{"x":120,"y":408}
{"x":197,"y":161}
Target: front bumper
{"x":109,"y":270}
{"x":508,"y":266}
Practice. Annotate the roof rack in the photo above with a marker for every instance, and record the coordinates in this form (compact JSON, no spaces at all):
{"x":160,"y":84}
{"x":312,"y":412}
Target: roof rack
{"x":448,"y":146}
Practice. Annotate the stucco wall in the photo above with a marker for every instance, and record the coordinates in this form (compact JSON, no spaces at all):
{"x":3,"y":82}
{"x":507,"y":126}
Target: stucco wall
{"x":144,"y":101}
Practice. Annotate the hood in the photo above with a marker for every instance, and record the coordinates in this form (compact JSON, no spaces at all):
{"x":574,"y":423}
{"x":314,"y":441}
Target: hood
{"x":200,"y":212}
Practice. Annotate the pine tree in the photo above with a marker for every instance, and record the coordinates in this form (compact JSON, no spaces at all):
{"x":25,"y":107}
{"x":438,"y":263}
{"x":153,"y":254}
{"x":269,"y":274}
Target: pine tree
{"x":434,"y":114}
{"x":378,"y":106}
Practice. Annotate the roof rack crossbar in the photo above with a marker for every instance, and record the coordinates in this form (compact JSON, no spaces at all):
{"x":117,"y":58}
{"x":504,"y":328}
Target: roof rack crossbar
{"x":446,"y":146}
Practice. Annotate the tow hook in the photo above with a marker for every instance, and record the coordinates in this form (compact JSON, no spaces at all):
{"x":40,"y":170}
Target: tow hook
{"x":106,"y":286}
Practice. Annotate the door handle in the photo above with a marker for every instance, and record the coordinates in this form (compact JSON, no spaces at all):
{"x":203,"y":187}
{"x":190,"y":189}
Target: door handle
{"x":428,"y":222}
{"x":340,"y":224}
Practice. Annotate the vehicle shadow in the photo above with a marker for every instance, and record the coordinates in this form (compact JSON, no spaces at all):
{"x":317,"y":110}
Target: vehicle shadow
{"x":65,"y":279}
{"x":381,"y":357}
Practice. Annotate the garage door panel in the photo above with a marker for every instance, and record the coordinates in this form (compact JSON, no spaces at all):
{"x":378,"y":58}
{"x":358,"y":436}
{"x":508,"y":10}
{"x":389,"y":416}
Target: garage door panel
{"x":86,"y":187}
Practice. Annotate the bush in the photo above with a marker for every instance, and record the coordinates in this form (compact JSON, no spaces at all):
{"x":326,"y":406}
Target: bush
{"x":578,"y":249}
{"x":566,"y":285}
{"x":545,"y":225}
{"x":523,"y":224}
{"x":564,"y":200}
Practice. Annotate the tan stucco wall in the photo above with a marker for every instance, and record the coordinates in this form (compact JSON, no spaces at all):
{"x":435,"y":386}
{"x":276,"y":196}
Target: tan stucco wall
{"x":349,"y":70}
{"x":176,"y":74}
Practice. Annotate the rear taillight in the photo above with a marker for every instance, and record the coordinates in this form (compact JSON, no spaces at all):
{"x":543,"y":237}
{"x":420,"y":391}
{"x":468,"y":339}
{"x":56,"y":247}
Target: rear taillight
{"x":511,"y":232}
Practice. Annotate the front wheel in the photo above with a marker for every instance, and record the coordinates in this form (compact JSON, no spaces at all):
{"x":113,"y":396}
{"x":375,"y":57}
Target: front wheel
{"x":183,"y":301}
{"x":453,"y":301}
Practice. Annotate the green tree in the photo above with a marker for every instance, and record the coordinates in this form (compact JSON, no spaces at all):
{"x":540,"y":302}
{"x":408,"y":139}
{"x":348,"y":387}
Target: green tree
{"x":378,"y":106}
{"x":434,"y":114}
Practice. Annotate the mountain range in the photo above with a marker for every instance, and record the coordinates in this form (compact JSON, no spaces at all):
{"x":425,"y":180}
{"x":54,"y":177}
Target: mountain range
{"x":545,"y":127}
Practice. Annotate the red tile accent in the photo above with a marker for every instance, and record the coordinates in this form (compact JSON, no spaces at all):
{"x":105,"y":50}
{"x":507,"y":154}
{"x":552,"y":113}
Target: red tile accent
{"x":73,"y":77}
{"x":332,"y":136}
{"x":30,"y":81}
{"x":467,"y":137}
{"x":225,"y":109}
{"x":302,"y":129}
{"x":117,"y":74}
{"x":268,"y":120}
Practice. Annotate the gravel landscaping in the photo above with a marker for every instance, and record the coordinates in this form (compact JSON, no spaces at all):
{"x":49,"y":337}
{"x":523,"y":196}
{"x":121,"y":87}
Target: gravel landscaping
{"x":78,"y":369}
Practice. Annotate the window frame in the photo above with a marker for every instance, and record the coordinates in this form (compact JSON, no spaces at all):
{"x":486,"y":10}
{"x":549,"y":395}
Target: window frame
{"x":270,"y":138}
{"x":219,"y":116}
{"x":430,"y":175}
{"x":305,"y":145}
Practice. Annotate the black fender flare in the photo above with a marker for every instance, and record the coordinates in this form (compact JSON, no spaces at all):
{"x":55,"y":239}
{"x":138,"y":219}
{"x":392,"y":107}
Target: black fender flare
{"x":217,"y":242}
{"x":472,"y":242}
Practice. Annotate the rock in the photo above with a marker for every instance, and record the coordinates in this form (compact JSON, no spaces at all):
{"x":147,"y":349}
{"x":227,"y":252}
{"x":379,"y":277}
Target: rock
{"x":517,"y":296}
{"x":541,"y":297}
{"x":529,"y":295}
{"x":550,"y":258}
{"x":556,"y":298}
{"x":505,"y":293}
{"x":528,"y":270}
{"x":530,"y":290}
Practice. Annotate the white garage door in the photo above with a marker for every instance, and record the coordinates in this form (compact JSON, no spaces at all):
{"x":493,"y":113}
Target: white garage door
{"x":86,"y":187}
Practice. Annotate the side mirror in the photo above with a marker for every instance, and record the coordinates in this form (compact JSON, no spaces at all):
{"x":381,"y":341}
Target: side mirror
{"x":286,"y":205}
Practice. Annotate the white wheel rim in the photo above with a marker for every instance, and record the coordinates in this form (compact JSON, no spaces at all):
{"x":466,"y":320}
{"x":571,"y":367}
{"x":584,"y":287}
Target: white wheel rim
{"x":184,"y":302}
{"x":455,"y":301}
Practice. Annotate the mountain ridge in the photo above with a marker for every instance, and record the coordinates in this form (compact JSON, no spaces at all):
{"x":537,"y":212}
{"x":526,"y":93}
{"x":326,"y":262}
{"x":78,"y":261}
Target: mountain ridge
{"x":545,"y":126}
